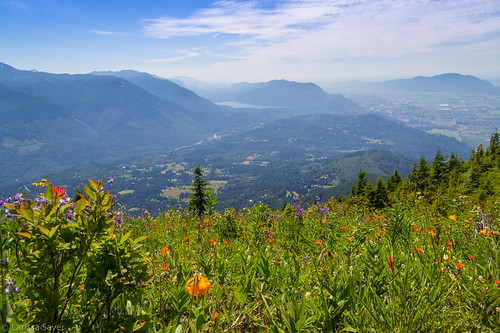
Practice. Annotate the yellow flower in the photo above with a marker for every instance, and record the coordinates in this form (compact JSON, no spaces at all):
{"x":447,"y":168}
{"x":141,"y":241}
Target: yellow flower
{"x":453,"y":217}
{"x":197,"y":285}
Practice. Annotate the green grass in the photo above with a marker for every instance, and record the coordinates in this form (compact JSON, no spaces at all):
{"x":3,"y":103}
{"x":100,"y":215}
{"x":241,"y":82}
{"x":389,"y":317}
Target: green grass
{"x":273,"y":271}
{"x":343,"y":269}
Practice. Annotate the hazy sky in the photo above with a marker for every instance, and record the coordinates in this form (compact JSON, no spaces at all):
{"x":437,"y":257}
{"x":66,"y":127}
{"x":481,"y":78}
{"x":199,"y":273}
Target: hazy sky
{"x":301,"y":40}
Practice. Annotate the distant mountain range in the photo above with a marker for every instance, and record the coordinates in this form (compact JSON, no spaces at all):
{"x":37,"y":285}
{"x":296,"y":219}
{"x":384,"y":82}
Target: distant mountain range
{"x":55,"y":121}
{"x":275,"y":94}
{"x":443,"y":83}
{"x":52,"y":122}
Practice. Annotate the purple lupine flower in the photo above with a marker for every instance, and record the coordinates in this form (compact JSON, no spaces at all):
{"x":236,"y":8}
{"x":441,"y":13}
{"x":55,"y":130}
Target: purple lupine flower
{"x":304,"y":259}
{"x":479,"y":225}
{"x":298,"y":209}
{"x":41,"y":200}
{"x":3,"y":261}
{"x":10,"y":287}
{"x":118,"y":220}
{"x":16,"y":199}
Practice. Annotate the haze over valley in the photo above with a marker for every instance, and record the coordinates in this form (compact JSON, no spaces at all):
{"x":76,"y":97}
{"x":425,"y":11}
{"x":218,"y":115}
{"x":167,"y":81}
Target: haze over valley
{"x":148,"y":132}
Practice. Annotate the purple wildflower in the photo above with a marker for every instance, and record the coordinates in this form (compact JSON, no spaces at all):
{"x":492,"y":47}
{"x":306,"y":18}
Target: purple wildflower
{"x":16,"y":199}
{"x":10,"y":287}
{"x":298,"y":209}
{"x":118,"y":220}
{"x":479,"y":225}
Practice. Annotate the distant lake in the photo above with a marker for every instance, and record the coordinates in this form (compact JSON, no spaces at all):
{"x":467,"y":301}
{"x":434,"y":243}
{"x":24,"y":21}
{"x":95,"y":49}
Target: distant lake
{"x":234,"y":104}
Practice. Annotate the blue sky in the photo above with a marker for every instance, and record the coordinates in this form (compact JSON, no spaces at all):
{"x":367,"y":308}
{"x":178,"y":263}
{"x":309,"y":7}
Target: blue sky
{"x":231,"y":41}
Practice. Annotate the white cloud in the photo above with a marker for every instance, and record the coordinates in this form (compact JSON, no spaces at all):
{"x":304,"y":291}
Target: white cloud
{"x":178,"y":58}
{"x":108,"y":33}
{"x":267,"y":35}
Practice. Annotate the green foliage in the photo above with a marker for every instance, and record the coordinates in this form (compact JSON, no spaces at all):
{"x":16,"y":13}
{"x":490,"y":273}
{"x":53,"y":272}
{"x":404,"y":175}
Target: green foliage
{"x":442,"y":182}
{"x":76,"y":267}
{"x":428,"y":263}
{"x":210,"y":201}
{"x":198,"y":199}
{"x":361,"y":182}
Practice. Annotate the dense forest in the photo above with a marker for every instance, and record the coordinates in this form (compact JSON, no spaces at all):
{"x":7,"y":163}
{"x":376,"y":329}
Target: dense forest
{"x":440,"y":181}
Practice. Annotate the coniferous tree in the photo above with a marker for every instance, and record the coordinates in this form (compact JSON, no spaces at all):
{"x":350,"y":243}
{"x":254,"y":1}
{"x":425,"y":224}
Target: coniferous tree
{"x":422,"y":175}
{"x":369,"y":192}
{"x":494,"y":147}
{"x":394,"y":181}
{"x":379,"y":197}
{"x":438,"y":170}
{"x":412,"y":177}
{"x":453,"y":162}
{"x":492,"y":154}
{"x":361,"y":182}
{"x":197,"y":199}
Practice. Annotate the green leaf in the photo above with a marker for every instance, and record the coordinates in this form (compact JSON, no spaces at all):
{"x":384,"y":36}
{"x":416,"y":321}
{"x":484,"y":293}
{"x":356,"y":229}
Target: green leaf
{"x":300,"y":323}
{"x":138,"y":239}
{"x":240,"y":297}
{"x":286,"y":319}
{"x":53,"y":231}
{"x":94,"y":184}
{"x":49,"y":194}
{"x":43,"y":230}
{"x":105,"y":199}
{"x":199,"y":322}
{"x":7,"y":312}
{"x":80,"y":205}
{"x":26,"y":212}
{"x":178,"y":329}
{"x":124,"y":237}
{"x":24,"y":234}
{"x":88,"y":191}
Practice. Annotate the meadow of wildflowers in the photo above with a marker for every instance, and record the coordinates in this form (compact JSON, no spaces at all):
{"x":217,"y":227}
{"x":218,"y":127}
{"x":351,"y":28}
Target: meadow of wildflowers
{"x":80,"y":265}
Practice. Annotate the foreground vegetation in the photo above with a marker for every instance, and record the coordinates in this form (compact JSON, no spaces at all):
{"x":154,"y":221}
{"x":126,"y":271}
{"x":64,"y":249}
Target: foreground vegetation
{"x":424,"y":260}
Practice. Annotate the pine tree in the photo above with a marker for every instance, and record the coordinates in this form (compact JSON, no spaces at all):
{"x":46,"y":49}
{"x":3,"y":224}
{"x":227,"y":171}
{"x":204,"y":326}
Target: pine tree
{"x":379,"y":197}
{"x":394,"y":181}
{"x":197,"y":199}
{"x":438,"y":170}
{"x":454,"y":162}
{"x":359,"y":188}
{"x":422,"y":175}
